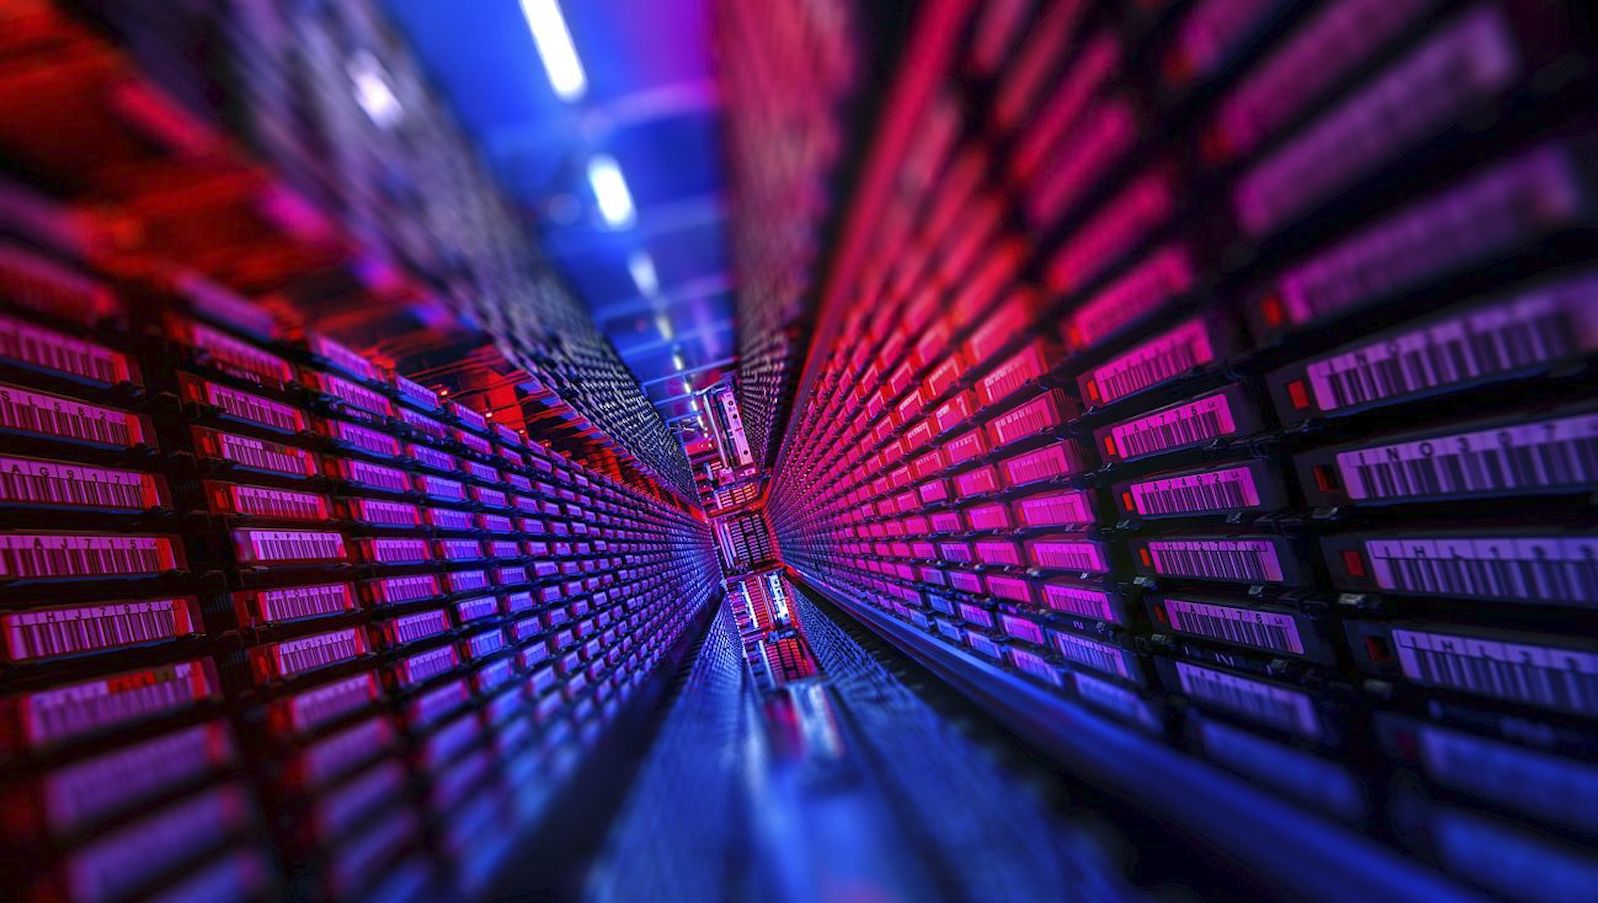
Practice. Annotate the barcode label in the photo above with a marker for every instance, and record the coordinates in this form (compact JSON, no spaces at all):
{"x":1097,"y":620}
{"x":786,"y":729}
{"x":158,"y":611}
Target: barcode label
{"x":1549,"y":787}
{"x":460,"y":549}
{"x":45,"y":349}
{"x":374,"y":476}
{"x":480,"y":471}
{"x":66,"y":713}
{"x":425,"y":425}
{"x":1026,"y":365}
{"x":24,"y":481}
{"x":1044,"y":412}
{"x":493,"y":498}
{"x":1161,"y":358}
{"x":384,"y":513}
{"x":1243,"y":626}
{"x":40,"y":414}
{"x":342,"y":751}
{"x":395,"y":590}
{"x":466,"y":581}
{"x":350,"y":393}
{"x":237,"y":357}
{"x":1539,"y":569}
{"x":1548,"y":677}
{"x":440,"y":488}
{"x":294,"y":657}
{"x":410,"y":628}
{"x":1191,"y":423}
{"x":495,"y":523}
{"x":1082,"y":601}
{"x":295,"y":602}
{"x":449,"y":519}
{"x":312,"y":708}
{"x":343,"y":358}
{"x":264,"y":546}
{"x":474,"y":442}
{"x":1059,"y":459}
{"x":416,"y":393}
{"x":362,"y":438}
{"x":427,"y":456}
{"x":54,"y":556}
{"x":1055,"y":509}
{"x":1148,"y":287}
{"x":1242,"y":560}
{"x":1467,"y":61}
{"x":1100,"y":657}
{"x":486,"y":643}
{"x":283,"y":504}
{"x":1067,"y":554}
{"x":86,"y":791}
{"x":1288,"y":710}
{"x":425,"y":666}
{"x":253,"y":408}
{"x":1223,"y":490}
{"x":1547,"y":324}
{"x":116,"y":864}
{"x":396,"y":550}
{"x":1508,"y":204}
{"x":75,"y":629}
{"x":1547,"y":454}
{"x":472,"y":609}
{"x":257,"y":454}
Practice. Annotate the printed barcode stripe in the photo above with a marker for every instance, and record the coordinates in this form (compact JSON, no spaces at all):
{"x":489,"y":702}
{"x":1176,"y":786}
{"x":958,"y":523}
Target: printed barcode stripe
{"x":1240,"y":560}
{"x":51,"y":415}
{"x":65,"y":712}
{"x":1098,"y":656}
{"x":1221,"y":490}
{"x":1190,"y":424}
{"x":264,"y":455}
{"x":255,"y":409}
{"x":50,"y":350}
{"x":25,"y":556}
{"x":1246,"y":627}
{"x":291,"y":545}
{"x":28,"y":482}
{"x":1545,"y":454}
{"x":296,"y":602}
{"x":1533,"y":570}
{"x":1155,"y":361}
{"x":1286,"y":709}
{"x":1544,"y":676}
{"x":278,"y":503}
{"x":67,"y":631}
{"x":309,"y":653}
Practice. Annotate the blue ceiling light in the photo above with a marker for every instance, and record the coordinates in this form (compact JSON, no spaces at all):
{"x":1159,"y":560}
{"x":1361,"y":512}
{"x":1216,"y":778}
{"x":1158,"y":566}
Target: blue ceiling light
{"x":642,"y":267}
{"x":610,"y":189}
{"x":556,"y":49}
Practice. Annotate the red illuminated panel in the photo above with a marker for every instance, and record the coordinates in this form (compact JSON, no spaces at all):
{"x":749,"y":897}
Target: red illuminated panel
{"x":1125,"y":220}
{"x":56,"y":417}
{"x":56,"y":556}
{"x":242,"y":406}
{"x":259,"y":501}
{"x":233,"y":356}
{"x":37,"y":348}
{"x":289,"y":546}
{"x":75,"y":629}
{"x":293,"y":603}
{"x":255,"y":454}
{"x":57,"y":484}
{"x":291,"y":658}
{"x":42,"y":718}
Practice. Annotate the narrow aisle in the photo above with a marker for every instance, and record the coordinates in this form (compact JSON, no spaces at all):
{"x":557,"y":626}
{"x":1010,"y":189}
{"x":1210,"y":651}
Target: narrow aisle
{"x":847,"y":786}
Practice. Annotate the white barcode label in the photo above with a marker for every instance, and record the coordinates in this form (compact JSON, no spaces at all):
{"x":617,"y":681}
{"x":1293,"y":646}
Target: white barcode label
{"x":359,"y":396}
{"x":69,"y":630}
{"x":1547,"y":324}
{"x":261,"y":455}
{"x":1542,"y":455}
{"x":24,"y":481}
{"x":1067,"y":554}
{"x":1548,"y":677}
{"x":295,"y":602}
{"x":397,"y":551}
{"x":360,"y":437}
{"x":440,"y":488}
{"x":279,"y":503}
{"x":1092,"y":654}
{"x":1535,"y":569}
{"x":384,"y":513}
{"x":1224,"y":490}
{"x":25,"y":411}
{"x":343,"y":358}
{"x":410,"y":628}
{"x":49,"y":556}
{"x":1080,"y":600}
{"x":1161,"y":358}
{"x":427,"y":665}
{"x":240,"y":358}
{"x":288,"y":545}
{"x":1055,"y":509}
{"x":427,"y":426}
{"x":1243,"y":626}
{"x":427,"y":456}
{"x":88,"y":790}
{"x":255,"y":409}
{"x":64,"y":713}
{"x":315,"y":707}
{"x":375,"y":476}
{"x":1289,"y":710}
{"x":1187,"y":424}
{"x":47,"y":349}
{"x":1547,"y":786}
{"x":416,"y":393}
{"x":395,"y":590}
{"x":1245,"y":560}
{"x":293,"y":657}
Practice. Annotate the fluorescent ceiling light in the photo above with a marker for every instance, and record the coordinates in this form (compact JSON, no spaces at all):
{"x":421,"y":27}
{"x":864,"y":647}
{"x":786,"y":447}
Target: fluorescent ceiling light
{"x":663,"y":323}
{"x":642,"y":267}
{"x":610,"y":189}
{"x":677,"y":361}
{"x":687,"y":387}
{"x":555,"y":48}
